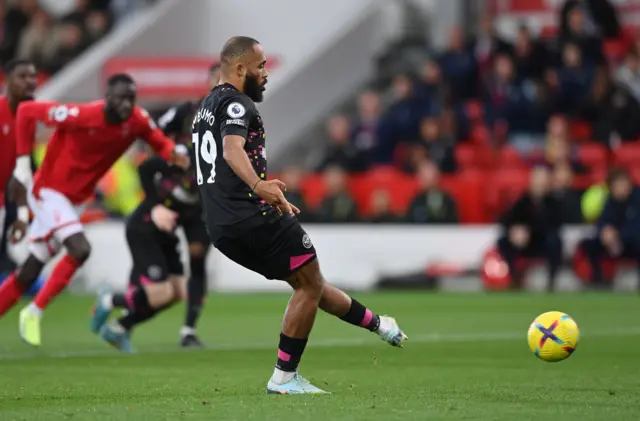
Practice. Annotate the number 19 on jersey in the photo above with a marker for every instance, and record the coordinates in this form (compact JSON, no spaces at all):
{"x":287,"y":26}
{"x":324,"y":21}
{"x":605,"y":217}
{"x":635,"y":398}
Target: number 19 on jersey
{"x":206,"y":149}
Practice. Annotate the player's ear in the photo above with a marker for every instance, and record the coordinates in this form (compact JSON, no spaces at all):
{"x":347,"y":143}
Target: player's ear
{"x":241,"y":70}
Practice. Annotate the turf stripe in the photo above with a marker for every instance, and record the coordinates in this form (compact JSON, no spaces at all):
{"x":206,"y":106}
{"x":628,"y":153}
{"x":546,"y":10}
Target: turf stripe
{"x":326,"y":343}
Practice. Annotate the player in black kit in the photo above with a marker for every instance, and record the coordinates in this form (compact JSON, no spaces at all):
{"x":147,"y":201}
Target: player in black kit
{"x":176,"y":123}
{"x":157,"y":279}
{"x":251,"y":222}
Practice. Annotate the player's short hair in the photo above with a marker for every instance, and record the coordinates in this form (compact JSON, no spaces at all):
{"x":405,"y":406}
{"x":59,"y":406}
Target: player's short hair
{"x":236,"y":47}
{"x":12,"y":65}
{"x":214,"y":67}
{"x":119,"y":78}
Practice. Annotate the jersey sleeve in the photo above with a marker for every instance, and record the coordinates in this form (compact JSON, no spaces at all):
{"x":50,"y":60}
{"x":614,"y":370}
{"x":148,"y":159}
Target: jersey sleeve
{"x":52,"y":114}
{"x":172,"y":121}
{"x":235,"y":116}
{"x":147,"y":172}
{"x":151,"y":133}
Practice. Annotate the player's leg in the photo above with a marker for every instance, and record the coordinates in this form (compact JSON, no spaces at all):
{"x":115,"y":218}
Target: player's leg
{"x":58,"y":217}
{"x":198,"y":240}
{"x":156,"y":283}
{"x":348,"y":309}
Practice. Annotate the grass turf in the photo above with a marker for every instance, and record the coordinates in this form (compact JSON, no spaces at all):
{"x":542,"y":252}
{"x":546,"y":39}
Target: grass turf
{"x":467,"y":359}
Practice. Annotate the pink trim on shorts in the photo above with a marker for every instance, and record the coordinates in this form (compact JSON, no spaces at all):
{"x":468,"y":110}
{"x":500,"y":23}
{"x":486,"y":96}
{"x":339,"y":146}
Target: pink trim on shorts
{"x":283,"y":356}
{"x":145,"y":281}
{"x":368,"y":315}
{"x":128,"y":296}
{"x":297,"y":261}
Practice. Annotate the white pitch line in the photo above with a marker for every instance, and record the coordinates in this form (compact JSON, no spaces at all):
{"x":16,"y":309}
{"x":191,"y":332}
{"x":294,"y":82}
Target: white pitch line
{"x":323,"y":343}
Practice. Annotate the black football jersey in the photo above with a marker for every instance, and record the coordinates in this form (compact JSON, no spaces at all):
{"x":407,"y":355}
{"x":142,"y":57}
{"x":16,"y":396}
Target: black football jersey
{"x":228,"y":203}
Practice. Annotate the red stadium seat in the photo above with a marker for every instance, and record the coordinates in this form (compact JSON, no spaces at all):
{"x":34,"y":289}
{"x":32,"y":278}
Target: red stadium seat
{"x":510,"y":158}
{"x":503,"y":188}
{"x":594,"y":156}
{"x":473,"y":157}
{"x":627,"y":155}
{"x":314,"y":190}
{"x":580,"y":131}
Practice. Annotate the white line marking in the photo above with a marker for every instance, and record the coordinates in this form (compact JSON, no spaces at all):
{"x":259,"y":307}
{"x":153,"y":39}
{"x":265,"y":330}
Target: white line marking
{"x":322,"y":343}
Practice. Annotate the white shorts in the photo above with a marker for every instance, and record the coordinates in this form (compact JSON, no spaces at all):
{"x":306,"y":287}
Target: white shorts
{"x":55,"y":220}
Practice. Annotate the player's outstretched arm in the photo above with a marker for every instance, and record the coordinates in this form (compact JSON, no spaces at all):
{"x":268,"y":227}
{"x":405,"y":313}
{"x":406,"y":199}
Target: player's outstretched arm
{"x":161,"y":144}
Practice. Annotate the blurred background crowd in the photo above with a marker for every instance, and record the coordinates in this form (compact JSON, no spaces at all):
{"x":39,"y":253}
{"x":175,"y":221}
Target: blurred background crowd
{"x":447,"y":137}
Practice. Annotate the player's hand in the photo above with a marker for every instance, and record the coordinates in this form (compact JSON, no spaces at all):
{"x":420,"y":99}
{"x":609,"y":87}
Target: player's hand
{"x":18,"y":231}
{"x":609,"y":237}
{"x":164,"y":218}
{"x":519,"y":236}
{"x":272,"y":193}
{"x":181,"y":157}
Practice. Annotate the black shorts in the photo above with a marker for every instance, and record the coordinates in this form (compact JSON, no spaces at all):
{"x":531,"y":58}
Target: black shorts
{"x":275,"y":249}
{"x":155,"y":254}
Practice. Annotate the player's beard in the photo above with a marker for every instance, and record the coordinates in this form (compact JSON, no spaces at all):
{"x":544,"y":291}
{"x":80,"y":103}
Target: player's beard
{"x":253,"y":89}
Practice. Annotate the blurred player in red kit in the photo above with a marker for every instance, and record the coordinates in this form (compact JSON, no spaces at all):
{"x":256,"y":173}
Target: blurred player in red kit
{"x":87,"y":140}
{"x":20,"y":78}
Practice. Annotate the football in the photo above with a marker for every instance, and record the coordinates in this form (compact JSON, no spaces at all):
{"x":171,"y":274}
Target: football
{"x":553,"y":336}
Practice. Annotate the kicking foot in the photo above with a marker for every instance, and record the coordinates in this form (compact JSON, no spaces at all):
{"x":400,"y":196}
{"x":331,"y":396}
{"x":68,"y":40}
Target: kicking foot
{"x":101,"y":310}
{"x":297,"y":385}
{"x":30,"y":325}
{"x":116,"y":336}
{"x":191,"y":341}
{"x":390,"y":332}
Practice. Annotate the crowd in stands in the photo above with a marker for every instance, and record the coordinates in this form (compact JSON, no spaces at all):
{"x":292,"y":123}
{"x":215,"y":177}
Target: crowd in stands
{"x":480,"y":115}
{"x":53,"y":32}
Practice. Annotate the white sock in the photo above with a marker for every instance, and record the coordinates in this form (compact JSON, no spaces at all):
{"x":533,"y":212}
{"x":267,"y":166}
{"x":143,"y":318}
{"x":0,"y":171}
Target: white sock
{"x":34,"y":309}
{"x":106,"y":301}
{"x":282,"y":377}
{"x":186,"y":331}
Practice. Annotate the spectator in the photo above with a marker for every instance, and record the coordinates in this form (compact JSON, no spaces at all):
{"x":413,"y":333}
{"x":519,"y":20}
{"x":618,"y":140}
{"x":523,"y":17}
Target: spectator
{"x":575,"y":32}
{"x":531,"y":228}
{"x":459,"y":67}
{"x":559,"y":149}
{"x":340,"y":150}
{"x":400,"y":122}
{"x":615,"y":115}
{"x":488,"y":43}
{"x":70,"y":43}
{"x":38,"y":39}
{"x":569,"y":198}
{"x":365,"y":127}
{"x":437,"y":146}
{"x":380,"y":210}
{"x":292,"y":178}
{"x":617,"y":228}
{"x":575,"y":82}
{"x":432,"y":205}
{"x":508,"y":104}
{"x":338,"y":206}
{"x":531,"y":57}
{"x":16,"y":19}
{"x":628,"y":75}
{"x":432,"y":90}
{"x":96,"y":26}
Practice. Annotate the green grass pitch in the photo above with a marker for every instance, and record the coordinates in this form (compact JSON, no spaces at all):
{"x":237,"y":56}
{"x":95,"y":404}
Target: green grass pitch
{"x":467,"y":359}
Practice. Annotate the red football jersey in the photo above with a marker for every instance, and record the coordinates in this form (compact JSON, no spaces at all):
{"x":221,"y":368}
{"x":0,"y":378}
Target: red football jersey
{"x":7,"y":145}
{"x":83,"y":146}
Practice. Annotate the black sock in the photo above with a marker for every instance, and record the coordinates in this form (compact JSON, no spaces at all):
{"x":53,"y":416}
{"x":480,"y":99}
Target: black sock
{"x":119,"y":301}
{"x":134,"y":318}
{"x":359,"y":315}
{"x":196,"y":291}
{"x":137,"y":302}
{"x":290,"y":352}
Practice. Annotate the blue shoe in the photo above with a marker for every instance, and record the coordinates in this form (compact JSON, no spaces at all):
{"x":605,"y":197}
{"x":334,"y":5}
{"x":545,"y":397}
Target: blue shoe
{"x":117,"y":337}
{"x":298,"y":385}
{"x":390,"y":332}
{"x":100,"y":313}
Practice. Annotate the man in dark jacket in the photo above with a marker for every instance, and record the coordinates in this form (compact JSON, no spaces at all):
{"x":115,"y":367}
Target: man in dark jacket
{"x":532,"y":229}
{"x":618,"y":228}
